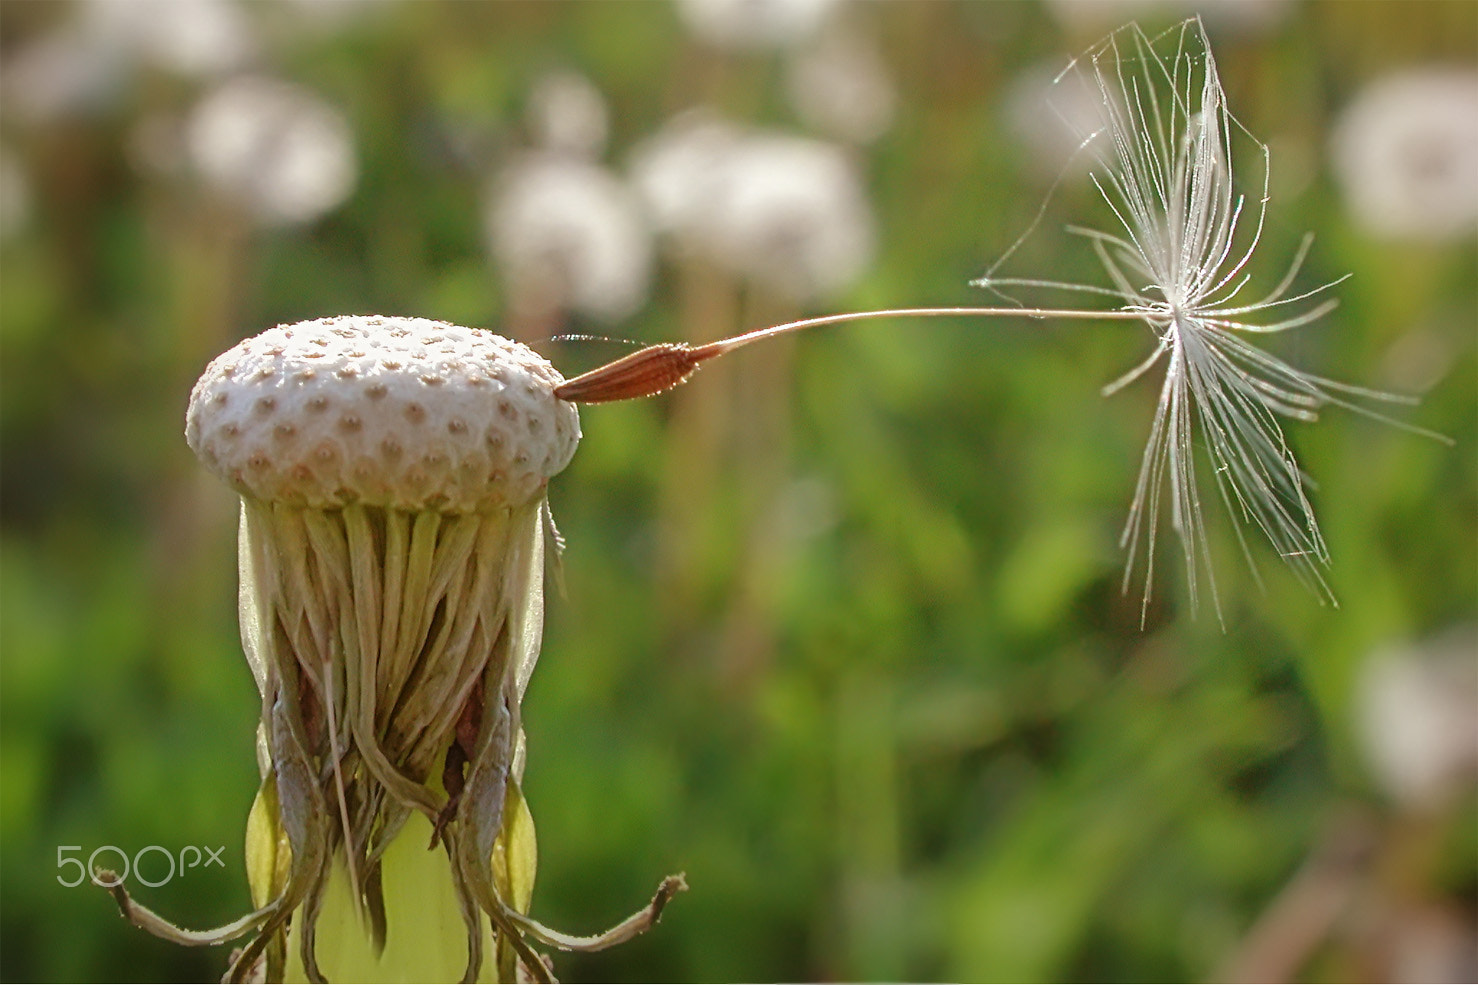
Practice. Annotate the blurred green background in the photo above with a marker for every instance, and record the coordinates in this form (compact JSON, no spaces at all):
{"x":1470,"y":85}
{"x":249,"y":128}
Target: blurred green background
{"x":841,"y":633}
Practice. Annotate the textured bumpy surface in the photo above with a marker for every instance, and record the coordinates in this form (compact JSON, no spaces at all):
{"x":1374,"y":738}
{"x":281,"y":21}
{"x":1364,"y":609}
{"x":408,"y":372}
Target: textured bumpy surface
{"x":384,"y":411}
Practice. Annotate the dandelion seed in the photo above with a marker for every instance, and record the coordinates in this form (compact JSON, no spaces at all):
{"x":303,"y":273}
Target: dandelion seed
{"x":1180,"y":258}
{"x":1178,"y":261}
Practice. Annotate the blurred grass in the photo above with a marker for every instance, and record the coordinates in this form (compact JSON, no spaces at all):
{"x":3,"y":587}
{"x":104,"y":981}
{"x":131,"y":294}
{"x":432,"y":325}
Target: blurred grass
{"x":842,"y":634}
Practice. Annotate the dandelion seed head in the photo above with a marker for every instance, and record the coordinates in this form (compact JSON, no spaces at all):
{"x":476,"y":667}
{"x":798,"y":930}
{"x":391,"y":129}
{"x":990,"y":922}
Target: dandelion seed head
{"x":327,"y":412}
{"x":393,"y":479}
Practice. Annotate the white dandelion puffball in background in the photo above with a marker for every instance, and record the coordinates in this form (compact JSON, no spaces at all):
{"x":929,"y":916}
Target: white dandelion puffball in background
{"x":754,"y":23}
{"x":191,"y":37}
{"x":85,"y":65}
{"x":327,"y":16}
{"x":788,"y":212}
{"x":567,"y":114}
{"x":1406,"y":154}
{"x":840,"y":86}
{"x":680,"y":170}
{"x":794,"y":215}
{"x":61,"y":74}
{"x":567,"y":233}
{"x":1234,"y":15}
{"x":276,"y":147}
{"x":1418,"y":711}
